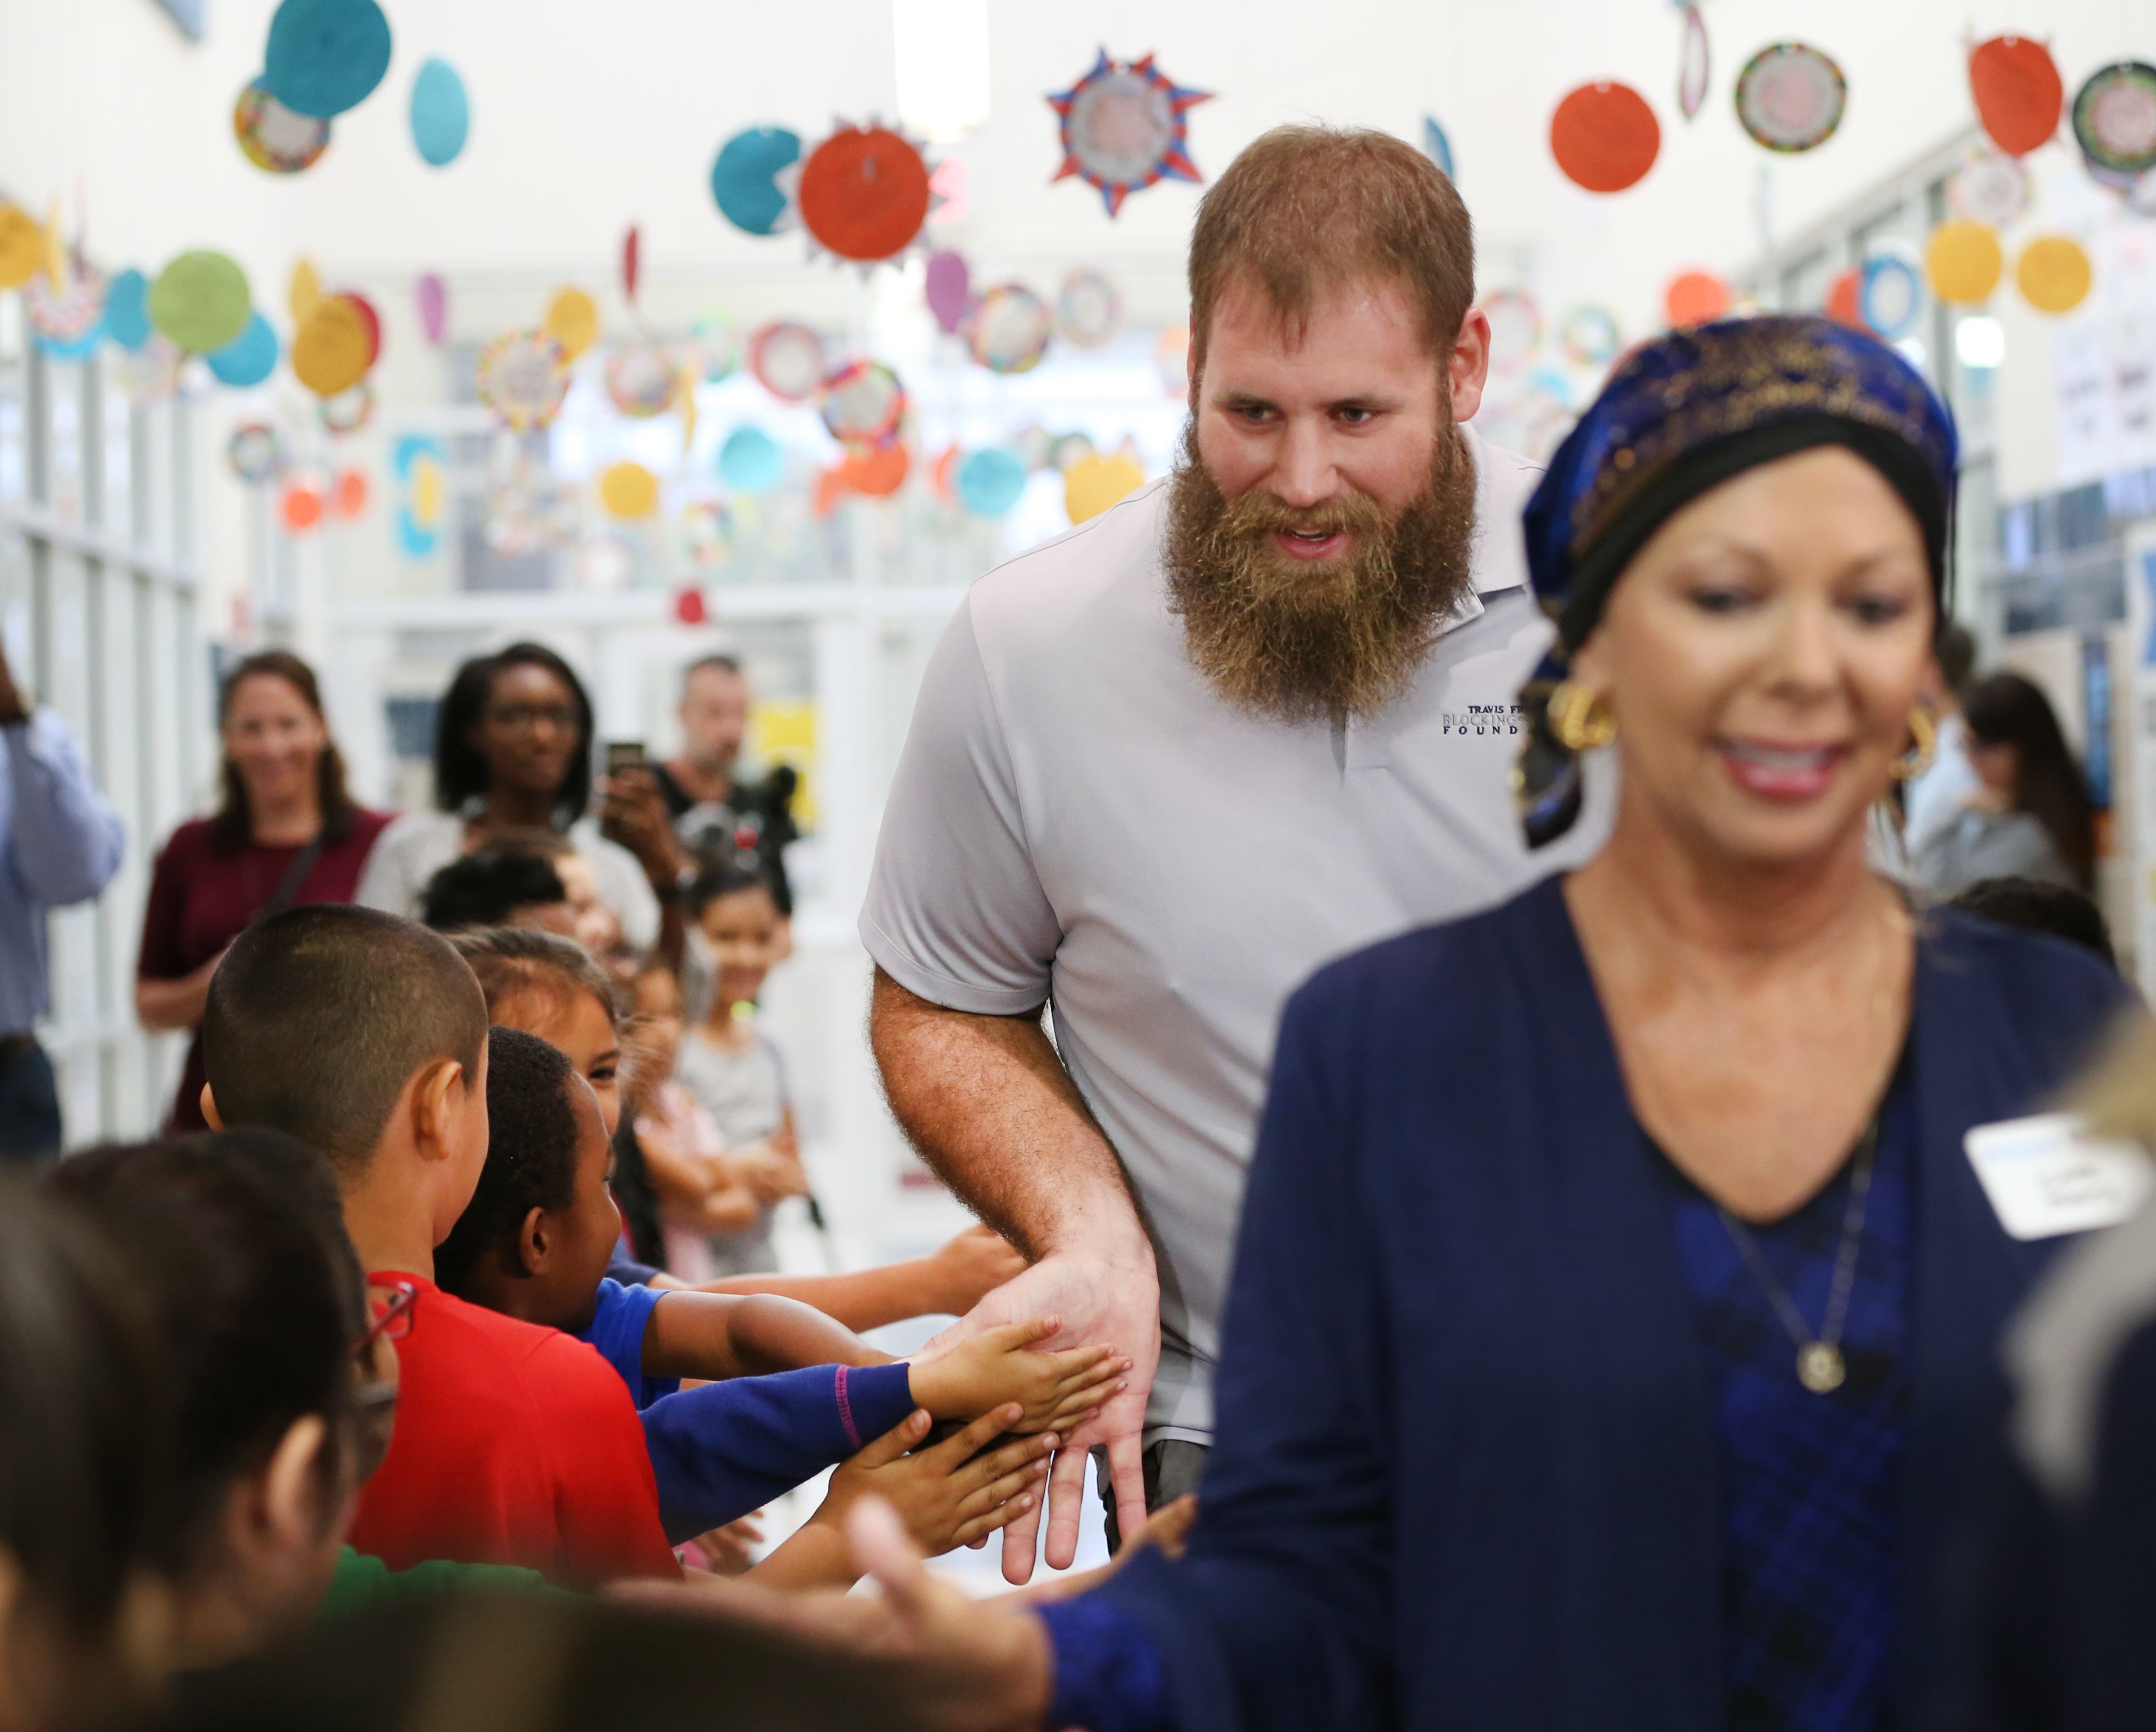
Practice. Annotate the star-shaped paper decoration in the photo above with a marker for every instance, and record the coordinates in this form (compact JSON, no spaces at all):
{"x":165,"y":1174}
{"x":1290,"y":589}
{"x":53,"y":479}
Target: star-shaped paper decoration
{"x":1124,"y":128}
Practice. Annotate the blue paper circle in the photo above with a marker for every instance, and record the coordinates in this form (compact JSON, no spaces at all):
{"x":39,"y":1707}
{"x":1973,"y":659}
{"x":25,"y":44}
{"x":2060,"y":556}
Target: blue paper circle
{"x":1889,"y":295}
{"x":441,"y":117}
{"x":741,"y":178}
{"x":324,"y":56}
{"x":989,"y":482}
{"x":249,"y":358}
{"x":69,"y":348}
{"x":127,"y":308}
{"x":750,"y":461}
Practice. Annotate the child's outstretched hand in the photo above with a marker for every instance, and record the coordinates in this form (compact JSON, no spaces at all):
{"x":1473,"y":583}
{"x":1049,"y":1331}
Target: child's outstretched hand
{"x":950,"y":1494}
{"x":1054,"y":1390}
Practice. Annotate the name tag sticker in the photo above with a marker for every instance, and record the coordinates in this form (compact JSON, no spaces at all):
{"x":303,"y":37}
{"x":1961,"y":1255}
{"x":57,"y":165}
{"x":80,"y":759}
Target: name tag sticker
{"x":2047,"y":1176}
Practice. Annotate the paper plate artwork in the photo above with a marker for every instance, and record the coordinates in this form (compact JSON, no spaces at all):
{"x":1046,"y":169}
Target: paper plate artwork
{"x":1125,"y":126}
{"x":1008,"y":330}
{"x":249,"y":358}
{"x":522,"y":376}
{"x":421,"y":466}
{"x":1695,"y":65}
{"x":440,"y":114}
{"x":64,"y":314}
{"x":786,"y":358}
{"x":750,"y":461}
{"x":1990,"y":187}
{"x":274,"y":137}
{"x":1088,"y":309}
{"x":1093,"y":483}
{"x":324,"y":56}
{"x":2019,"y":95}
{"x":864,"y":193}
{"x":1437,"y":146}
{"x":348,"y":410}
{"x":200,"y":301}
{"x":255,"y":452}
{"x":1605,"y":136}
{"x":572,"y":320}
{"x":1589,"y":337}
{"x":2054,"y":274}
{"x":1516,"y":329}
{"x":430,"y":294}
{"x":714,"y":347}
{"x":22,"y":246}
{"x":628,"y":489}
{"x":2115,"y":118}
{"x":642,"y":379}
{"x":1962,"y":262}
{"x":1791,"y":97}
{"x":863,"y":405}
{"x":744,"y":179}
{"x":950,"y":290}
{"x":989,"y":482}
{"x":1695,"y":297}
{"x":1889,"y":295}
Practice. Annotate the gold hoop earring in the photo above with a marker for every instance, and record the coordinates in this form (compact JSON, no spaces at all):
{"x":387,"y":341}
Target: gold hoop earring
{"x":1923,"y":746}
{"x":1580,"y":717}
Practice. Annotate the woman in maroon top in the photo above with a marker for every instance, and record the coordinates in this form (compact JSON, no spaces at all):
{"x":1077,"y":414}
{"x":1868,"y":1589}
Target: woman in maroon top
{"x":287,"y":833}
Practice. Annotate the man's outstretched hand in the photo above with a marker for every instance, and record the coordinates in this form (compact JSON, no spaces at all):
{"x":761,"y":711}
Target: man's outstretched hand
{"x":1110,"y":1296}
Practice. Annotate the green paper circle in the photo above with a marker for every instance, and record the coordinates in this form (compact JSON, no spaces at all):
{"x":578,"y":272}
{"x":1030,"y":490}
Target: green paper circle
{"x":200,"y":301}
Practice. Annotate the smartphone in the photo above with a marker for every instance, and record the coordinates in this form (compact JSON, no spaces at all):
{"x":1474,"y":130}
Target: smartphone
{"x":624,"y":755}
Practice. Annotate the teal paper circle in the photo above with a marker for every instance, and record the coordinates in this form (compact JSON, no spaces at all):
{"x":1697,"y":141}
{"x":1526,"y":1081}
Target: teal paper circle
{"x":324,"y":56}
{"x":743,"y":178}
{"x":249,"y":358}
{"x":989,"y":482}
{"x":441,"y":115}
{"x":127,"y":308}
{"x":750,"y":461}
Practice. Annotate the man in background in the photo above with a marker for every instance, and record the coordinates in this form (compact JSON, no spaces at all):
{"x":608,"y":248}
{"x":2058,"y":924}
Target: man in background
{"x":716,"y":814}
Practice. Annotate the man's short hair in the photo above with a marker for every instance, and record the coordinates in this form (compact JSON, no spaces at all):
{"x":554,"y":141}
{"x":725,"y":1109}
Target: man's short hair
{"x":318,"y":1018}
{"x":1305,"y":209}
{"x":714,"y":664}
{"x":486,"y":887}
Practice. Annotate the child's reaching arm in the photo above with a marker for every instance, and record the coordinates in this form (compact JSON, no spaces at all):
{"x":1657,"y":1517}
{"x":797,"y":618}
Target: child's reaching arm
{"x":949,"y":1494}
{"x":720,"y":1336}
{"x":1054,"y":1390}
{"x":949,"y":1282}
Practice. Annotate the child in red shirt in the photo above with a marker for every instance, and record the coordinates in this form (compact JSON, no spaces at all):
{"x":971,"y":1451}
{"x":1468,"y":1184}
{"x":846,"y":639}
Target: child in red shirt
{"x":365,"y":1035}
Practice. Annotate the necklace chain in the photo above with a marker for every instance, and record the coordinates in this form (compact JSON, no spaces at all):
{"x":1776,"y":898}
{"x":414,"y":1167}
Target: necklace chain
{"x":1820,"y":1367}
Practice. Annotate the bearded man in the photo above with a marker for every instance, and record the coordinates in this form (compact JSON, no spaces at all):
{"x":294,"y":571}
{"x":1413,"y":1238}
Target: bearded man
{"x":1166,"y":766}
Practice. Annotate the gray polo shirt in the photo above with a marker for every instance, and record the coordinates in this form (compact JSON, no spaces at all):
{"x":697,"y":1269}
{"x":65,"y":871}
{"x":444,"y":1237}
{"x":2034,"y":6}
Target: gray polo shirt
{"x":1078,"y":818}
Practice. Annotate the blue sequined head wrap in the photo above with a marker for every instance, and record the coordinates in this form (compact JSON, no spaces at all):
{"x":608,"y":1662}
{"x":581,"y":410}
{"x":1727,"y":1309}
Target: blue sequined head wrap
{"x":1682,"y":414}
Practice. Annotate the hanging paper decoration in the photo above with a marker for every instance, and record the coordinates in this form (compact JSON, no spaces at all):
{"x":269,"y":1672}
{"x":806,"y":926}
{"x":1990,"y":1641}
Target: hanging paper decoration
{"x":1695,"y":65}
{"x":1437,"y":146}
{"x":2115,"y":119}
{"x":642,"y":379}
{"x":1088,"y":309}
{"x":989,"y":482}
{"x":787,"y":361}
{"x":151,"y":373}
{"x":628,"y":489}
{"x":351,"y":493}
{"x":332,"y":350}
{"x":421,"y":467}
{"x":1069,"y":450}
{"x":715,"y":349}
{"x":1516,"y":329}
{"x":950,"y":290}
{"x":1791,"y":97}
{"x":744,"y":179}
{"x":1171,"y":359}
{"x":127,"y":308}
{"x":249,"y":358}
{"x":324,"y":56}
{"x":863,"y":405}
{"x":1589,"y":337}
{"x":948,"y":193}
{"x":440,"y":114}
{"x":23,"y":247}
{"x":1096,"y":483}
{"x":369,"y":319}
{"x":1964,"y":262}
{"x":1695,"y":297}
{"x":943,"y":476}
{"x":431,"y":295}
{"x":255,"y":452}
{"x":69,"y":313}
{"x":707,"y":531}
{"x":1990,"y":187}
{"x":200,"y":301}
{"x":1842,"y":293}
{"x":750,"y":461}
{"x":2018,"y":92}
{"x":303,"y":293}
{"x":1890,"y":297}
{"x":300,"y":507}
{"x":1605,"y":136}
{"x":1125,"y":127}
{"x":689,"y":606}
{"x":864,"y":193}
{"x":572,"y":320}
{"x":348,"y":410}
{"x":876,"y":474}
{"x":272,"y":137}
{"x":632,"y":249}
{"x":1009,"y":329}
{"x":2054,"y":274}
{"x":522,"y":378}
{"x":1036,"y":445}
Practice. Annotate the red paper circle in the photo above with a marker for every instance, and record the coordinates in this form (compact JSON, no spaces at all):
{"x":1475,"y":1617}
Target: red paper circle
{"x":372,"y":320}
{"x":351,"y":493}
{"x":1844,"y":300}
{"x":1695,"y":297}
{"x":300,"y":507}
{"x":689,"y":607}
{"x":2018,"y":90}
{"x":864,"y":192}
{"x":1605,"y":137}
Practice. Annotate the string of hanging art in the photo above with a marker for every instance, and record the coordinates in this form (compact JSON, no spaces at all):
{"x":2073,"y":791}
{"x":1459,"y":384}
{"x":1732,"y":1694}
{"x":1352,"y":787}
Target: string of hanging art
{"x":1695,"y":63}
{"x":1125,"y":126}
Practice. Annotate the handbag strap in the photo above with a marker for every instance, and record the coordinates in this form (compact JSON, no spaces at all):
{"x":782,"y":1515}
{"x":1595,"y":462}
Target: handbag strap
{"x":287,"y":886}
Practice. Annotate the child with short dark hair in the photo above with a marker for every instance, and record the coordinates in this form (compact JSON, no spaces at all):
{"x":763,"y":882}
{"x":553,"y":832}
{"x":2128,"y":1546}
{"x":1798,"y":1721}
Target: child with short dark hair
{"x":364,"y":1035}
{"x":498,"y":887}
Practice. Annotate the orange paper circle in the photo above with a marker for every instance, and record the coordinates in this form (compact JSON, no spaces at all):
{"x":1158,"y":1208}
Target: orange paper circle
{"x":864,"y":192}
{"x":1695,"y":297}
{"x":2054,"y":274}
{"x":1964,"y":262}
{"x":1605,"y":137}
{"x":333,"y":349}
{"x":1844,"y":297}
{"x":351,"y":492}
{"x":300,"y":507}
{"x":877,"y":474}
{"x":2018,"y":91}
{"x":628,"y":489}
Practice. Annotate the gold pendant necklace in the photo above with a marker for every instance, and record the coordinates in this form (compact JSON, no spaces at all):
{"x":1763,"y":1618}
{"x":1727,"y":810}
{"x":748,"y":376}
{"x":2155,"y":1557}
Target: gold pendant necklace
{"x":1821,"y":1367}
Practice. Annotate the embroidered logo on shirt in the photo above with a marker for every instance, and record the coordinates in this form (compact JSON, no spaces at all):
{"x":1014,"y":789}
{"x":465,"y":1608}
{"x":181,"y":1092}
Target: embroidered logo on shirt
{"x":1503,"y":720}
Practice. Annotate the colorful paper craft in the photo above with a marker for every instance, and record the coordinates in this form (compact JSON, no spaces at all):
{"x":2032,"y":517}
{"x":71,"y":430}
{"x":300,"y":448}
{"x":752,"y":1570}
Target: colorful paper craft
{"x":249,"y":358}
{"x":750,"y":461}
{"x":300,"y":507}
{"x":1009,"y":329}
{"x":642,"y":379}
{"x":1589,"y":337}
{"x":1516,"y":329}
{"x":420,"y":465}
{"x":200,"y":301}
{"x":863,"y":405}
{"x":1791,"y":97}
{"x":864,"y":193}
{"x":990,"y":482}
{"x":274,"y":137}
{"x":1695,"y":297}
{"x":2019,"y":94}
{"x":1989,"y":187}
{"x":1088,"y":309}
{"x":787,"y":361}
{"x":1605,"y":136}
{"x":332,"y":350}
{"x":1437,"y":146}
{"x":431,"y":295}
{"x":351,"y":493}
{"x":572,"y":320}
{"x":744,"y":179}
{"x":440,"y":114}
{"x":1964,"y":262}
{"x":1126,"y":126}
{"x":369,"y":319}
{"x":23,"y":247}
{"x":324,"y":56}
{"x":522,"y":376}
{"x":304,"y":293}
{"x":2054,"y":274}
{"x":1094,"y":484}
{"x":716,"y":347}
{"x":1844,"y":295}
{"x":1890,"y":296}
{"x":127,"y":308}
{"x":69,"y":313}
{"x":632,"y":258}
{"x":255,"y":452}
{"x":950,"y":288}
{"x":707,"y":531}
{"x":1695,"y":65}
{"x":347,"y":411}
{"x":2115,"y":118}
{"x":628,"y":489}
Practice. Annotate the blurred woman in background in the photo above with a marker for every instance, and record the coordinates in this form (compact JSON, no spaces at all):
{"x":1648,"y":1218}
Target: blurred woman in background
{"x":286,"y":832}
{"x":2031,"y":815}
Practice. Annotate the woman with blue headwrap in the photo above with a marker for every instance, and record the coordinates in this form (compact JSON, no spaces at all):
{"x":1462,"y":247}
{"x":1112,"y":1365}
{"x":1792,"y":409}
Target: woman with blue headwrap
{"x":1612,"y":1340}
